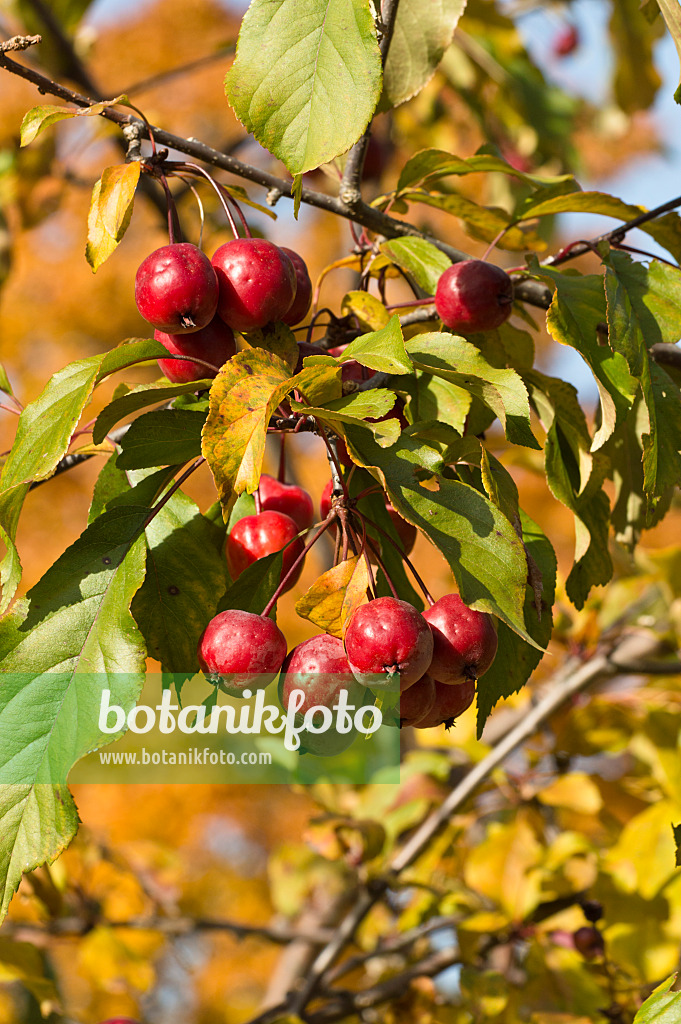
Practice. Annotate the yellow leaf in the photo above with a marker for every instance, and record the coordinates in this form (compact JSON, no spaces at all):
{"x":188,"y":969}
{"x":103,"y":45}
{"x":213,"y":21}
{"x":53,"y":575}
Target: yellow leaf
{"x":369,"y":310}
{"x":576,"y":791}
{"x":333,"y":597}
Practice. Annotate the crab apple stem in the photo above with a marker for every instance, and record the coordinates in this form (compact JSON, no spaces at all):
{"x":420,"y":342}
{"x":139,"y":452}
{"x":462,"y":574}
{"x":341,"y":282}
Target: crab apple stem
{"x":494,"y":243}
{"x":282,"y":585}
{"x":426,"y":592}
{"x":281,"y":477}
{"x":196,"y":170}
{"x":232,"y":200}
{"x":362,"y":551}
{"x":173,"y":220}
{"x":413,"y":302}
{"x":366,"y":492}
{"x":176,"y":486}
{"x":332,"y":455}
{"x":381,"y":565}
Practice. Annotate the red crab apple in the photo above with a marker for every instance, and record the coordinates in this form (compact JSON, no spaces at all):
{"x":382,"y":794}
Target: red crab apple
{"x":176,"y":289}
{"x":246,"y":649}
{"x":417,"y":701}
{"x":255,"y":536}
{"x":385,"y":637}
{"x":320,"y":668}
{"x":465,"y":641}
{"x":566,"y":42}
{"x":301,"y":304}
{"x":290,"y":499}
{"x":257,"y":283}
{"x":351,"y":370}
{"x":450,"y":702}
{"x":474,"y":296}
{"x":213,"y":344}
{"x":119,"y":1020}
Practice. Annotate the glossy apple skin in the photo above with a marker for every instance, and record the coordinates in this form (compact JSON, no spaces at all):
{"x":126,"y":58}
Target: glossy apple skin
{"x":464,"y":641}
{"x":176,"y":289}
{"x":214,"y":344}
{"x":405,"y":531}
{"x":255,"y":536}
{"x":387,"y":636}
{"x":303,"y":300}
{"x":290,"y":499}
{"x":474,"y":296}
{"x":319,"y":666}
{"x":256,"y":280}
{"x":417,"y":701}
{"x":247,"y":649}
{"x":450,"y":702}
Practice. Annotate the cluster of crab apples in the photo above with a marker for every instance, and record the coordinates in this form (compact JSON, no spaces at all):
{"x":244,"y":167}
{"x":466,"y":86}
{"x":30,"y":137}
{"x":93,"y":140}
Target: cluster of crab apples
{"x":435,"y":656}
{"x":195,"y":305}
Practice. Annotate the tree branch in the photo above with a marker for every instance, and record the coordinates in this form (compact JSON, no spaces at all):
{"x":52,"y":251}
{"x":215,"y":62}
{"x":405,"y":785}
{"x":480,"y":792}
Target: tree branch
{"x":635,"y":651}
{"x":350,"y":192}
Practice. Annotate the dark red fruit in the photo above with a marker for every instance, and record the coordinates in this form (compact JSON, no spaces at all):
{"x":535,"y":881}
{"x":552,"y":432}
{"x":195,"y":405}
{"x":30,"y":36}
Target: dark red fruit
{"x":247,"y":649}
{"x":566,"y":42}
{"x":465,"y":641}
{"x":351,"y":370}
{"x":417,"y":701}
{"x":474,"y":296}
{"x":254,"y":537}
{"x":176,"y":289}
{"x":306,"y":348}
{"x":387,"y":636}
{"x":119,"y":1020}
{"x":589,"y":942}
{"x":301,"y":304}
{"x":214,"y":344}
{"x":319,"y":666}
{"x":290,"y":499}
{"x":257,"y":283}
{"x":450,"y":702}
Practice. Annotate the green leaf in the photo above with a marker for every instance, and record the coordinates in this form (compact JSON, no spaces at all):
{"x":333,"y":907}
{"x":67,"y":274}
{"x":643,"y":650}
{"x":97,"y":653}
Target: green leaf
{"x":575,"y":477}
{"x":665,"y":230}
{"x":375,"y":404}
{"x":421,"y":35}
{"x":636,"y":79}
{"x":430,"y":165}
{"x":78,"y":623}
{"x":11,"y":503}
{"x":277,"y":338}
{"x":369,"y":310}
{"x":306,"y":78}
{"x":662,"y":1007}
{"x":164,"y":437}
{"x":253,"y":589}
{"x":380,"y":350}
{"x":110,"y":211}
{"x":185,"y":579}
{"x":671,"y":12}
{"x":39,"y":118}
{"x":480,"y":545}
{"x":138,"y":398}
{"x":574,"y":318}
{"x":516,"y":659}
{"x":419,"y":258}
{"x":4,"y":381}
{"x":483,"y":222}
{"x":642,"y":310}
{"x":502,"y":390}
{"x":438,"y":400}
